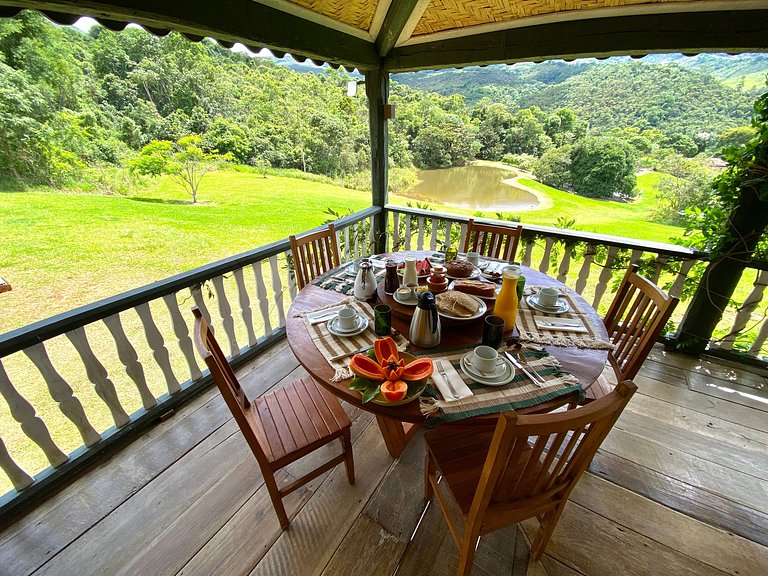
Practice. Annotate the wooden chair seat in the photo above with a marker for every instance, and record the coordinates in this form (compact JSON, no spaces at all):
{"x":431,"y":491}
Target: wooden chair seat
{"x":297,"y":419}
{"x":281,"y":426}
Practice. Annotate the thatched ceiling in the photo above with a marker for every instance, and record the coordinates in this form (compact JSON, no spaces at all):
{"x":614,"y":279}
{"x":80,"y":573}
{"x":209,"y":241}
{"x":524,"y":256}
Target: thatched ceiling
{"x":413,"y":34}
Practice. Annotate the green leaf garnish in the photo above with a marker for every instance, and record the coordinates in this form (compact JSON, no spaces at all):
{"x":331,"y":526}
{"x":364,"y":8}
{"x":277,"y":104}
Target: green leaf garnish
{"x":360,"y":384}
{"x":370,"y":393}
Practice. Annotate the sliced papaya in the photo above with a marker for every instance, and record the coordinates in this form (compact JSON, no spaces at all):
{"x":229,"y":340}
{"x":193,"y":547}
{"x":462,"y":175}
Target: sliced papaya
{"x":393,"y":368}
{"x":366,"y":367}
{"x":384,"y":348}
{"x":394,"y":390}
{"x":418,"y":370}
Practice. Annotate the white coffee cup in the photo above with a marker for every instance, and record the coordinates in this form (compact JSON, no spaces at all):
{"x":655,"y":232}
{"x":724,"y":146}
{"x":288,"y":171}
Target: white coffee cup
{"x":485,"y":359}
{"x":548,"y":297}
{"x":347,"y":319}
{"x":473,"y":258}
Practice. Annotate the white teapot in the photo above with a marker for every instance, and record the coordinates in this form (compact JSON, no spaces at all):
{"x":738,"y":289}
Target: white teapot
{"x":365,"y":281}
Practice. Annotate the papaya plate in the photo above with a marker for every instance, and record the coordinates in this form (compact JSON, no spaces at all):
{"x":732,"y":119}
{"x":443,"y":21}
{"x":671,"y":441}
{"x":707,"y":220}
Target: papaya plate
{"x":415,"y":389}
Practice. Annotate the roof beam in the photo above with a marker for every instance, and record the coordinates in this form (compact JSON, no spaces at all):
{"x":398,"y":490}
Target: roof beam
{"x":251,"y":23}
{"x":717,"y":31}
{"x":398,"y":15}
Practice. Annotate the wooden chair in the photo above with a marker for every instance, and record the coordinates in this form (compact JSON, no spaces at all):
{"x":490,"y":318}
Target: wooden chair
{"x":314,"y":254}
{"x":634,"y":321}
{"x":281,"y":426}
{"x":523,"y":467}
{"x":492,"y":241}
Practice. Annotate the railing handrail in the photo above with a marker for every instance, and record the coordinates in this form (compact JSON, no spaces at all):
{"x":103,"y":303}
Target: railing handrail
{"x":21,"y":338}
{"x":564,"y":234}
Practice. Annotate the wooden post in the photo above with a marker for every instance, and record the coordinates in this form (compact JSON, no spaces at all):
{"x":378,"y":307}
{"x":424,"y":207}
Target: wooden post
{"x":377,"y":90}
{"x":747,"y":222}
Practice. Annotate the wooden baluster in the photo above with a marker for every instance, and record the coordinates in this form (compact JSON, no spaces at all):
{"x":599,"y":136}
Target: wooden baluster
{"x":433,"y":238}
{"x":358,"y":252}
{"x":605,"y":276}
{"x":98,"y":376}
{"x":197,"y":296}
{"x":677,"y":285}
{"x":345,"y":255}
{"x":337,"y":232}
{"x":448,"y":228}
{"x":395,"y":231}
{"x":581,"y":282}
{"x":544,"y":264}
{"x":277,"y":290}
{"x":32,"y":425}
{"x":635,"y":257}
{"x":245,"y":306}
{"x":420,"y":241}
{"x":371,"y":236}
{"x":528,"y":255}
{"x":61,"y":392}
{"x":565,"y":265}
{"x":130,"y":359}
{"x":261,"y":292}
{"x":225,"y":312}
{"x":292,"y":291}
{"x":762,"y":336}
{"x":181,"y":332}
{"x":745,"y":311}
{"x":157,"y":345}
{"x":16,"y":475}
{"x":661,"y":261}
{"x":407,"y":231}
{"x":462,"y":235}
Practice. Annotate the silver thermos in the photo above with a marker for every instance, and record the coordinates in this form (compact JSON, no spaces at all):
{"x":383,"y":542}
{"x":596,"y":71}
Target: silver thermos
{"x":425,"y":324}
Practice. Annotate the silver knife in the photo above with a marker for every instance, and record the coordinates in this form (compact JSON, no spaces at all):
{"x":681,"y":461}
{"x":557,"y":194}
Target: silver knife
{"x":358,"y":351}
{"x":516,"y":364}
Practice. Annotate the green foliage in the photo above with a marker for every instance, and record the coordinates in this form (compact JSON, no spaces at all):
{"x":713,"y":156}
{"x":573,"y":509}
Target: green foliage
{"x":444,"y":145}
{"x":687,"y":184}
{"x":603,"y":168}
{"x":554,"y":167}
{"x":735,"y":137}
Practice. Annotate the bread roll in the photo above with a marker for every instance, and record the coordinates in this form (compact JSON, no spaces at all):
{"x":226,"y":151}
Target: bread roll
{"x":476,"y":287}
{"x":456,"y":304}
{"x":459,"y":268}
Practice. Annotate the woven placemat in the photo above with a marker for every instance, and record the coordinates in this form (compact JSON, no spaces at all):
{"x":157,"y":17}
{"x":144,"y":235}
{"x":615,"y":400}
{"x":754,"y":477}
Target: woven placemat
{"x":521,"y":392}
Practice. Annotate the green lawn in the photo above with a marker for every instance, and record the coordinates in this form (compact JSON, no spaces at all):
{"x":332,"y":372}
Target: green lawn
{"x":63,"y":250}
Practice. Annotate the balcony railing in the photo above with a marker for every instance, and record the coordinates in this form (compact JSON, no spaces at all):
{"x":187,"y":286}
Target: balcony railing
{"x":132,"y":354}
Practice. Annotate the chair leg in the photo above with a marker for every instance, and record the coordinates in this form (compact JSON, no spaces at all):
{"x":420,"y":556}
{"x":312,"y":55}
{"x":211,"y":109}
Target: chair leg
{"x":467,"y":556}
{"x":546,"y":526}
{"x":429,"y":472}
{"x":277,"y":499}
{"x":349,"y":461}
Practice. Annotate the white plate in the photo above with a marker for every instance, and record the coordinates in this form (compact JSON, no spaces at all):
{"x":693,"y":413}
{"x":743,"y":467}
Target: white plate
{"x":506,"y":377}
{"x":401,"y":271}
{"x":333,"y":328}
{"x":480,"y":310}
{"x":562,"y":305}
{"x":411,"y":302}
{"x":498,"y":372}
{"x":497,"y":288}
{"x":475,"y":274}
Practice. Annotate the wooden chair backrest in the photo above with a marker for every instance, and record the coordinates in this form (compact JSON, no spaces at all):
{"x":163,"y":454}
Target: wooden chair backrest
{"x":492,"y":241}
{"x":559,"y":446}
{"x":314,"y":254}
{"x":234,"y":395}
{"x":635,"y":319}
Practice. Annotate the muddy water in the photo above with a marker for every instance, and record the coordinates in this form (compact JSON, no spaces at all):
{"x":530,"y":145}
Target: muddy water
{"x":474,"y":187}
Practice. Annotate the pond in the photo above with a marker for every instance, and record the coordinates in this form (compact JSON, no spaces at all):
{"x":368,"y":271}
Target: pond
{"x":476,"y":187}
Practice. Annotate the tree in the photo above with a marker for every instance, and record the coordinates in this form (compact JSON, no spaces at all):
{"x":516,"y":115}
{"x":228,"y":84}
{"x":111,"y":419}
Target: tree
{"x":185,"y":161}
{"x":603,"y":168}
{"x":687,"y":184}
{"x":447,"y":144}
{"x":554,"y":168}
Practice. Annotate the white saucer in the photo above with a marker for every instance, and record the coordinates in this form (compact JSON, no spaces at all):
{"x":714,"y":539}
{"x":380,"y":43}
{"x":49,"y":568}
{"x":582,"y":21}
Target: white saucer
{"x":506,"y":375}
{"x":410,"y":302}
{"x":562,"y":305}
{"x":333,"y":327}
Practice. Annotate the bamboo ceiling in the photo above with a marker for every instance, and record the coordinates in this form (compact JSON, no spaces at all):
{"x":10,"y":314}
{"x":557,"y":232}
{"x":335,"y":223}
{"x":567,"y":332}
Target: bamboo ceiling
{"x":399,"y":35}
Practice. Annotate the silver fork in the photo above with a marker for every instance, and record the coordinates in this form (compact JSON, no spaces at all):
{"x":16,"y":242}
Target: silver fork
{"x":442,"y":373}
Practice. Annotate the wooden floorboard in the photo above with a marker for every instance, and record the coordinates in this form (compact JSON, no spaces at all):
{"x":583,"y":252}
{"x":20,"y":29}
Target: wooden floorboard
{"x":680,"y":486}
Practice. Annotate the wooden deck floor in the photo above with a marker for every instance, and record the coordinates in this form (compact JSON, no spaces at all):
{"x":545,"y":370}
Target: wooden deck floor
{"x":679,"y":487}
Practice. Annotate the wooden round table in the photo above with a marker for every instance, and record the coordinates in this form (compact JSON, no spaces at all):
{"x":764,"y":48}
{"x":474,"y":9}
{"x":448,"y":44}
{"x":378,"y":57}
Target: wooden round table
{"x":397,"y":422}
